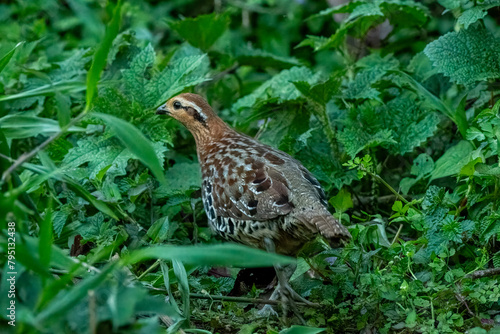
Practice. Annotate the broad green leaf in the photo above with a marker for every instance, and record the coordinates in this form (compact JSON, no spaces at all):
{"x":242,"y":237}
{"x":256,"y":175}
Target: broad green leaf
{"x":215,"y":255}
{"x":321,"y":92}
{"x":101,"y":55}
{"x":452,"y":160}
{"x":479,"y":11}
{"x":5,"y":59}
{"x":135,"y":141}
{"x":181,"y":73}
{"x":280,"y":87}
{"x":182,"y":178}
{"x":342,"y":201}
{"x":203,"y":30}
{"x":301,"y":330}
{"x":246,"y":55}
{"x":422,"y":166}
{"x":113,"y":157}
{"x":466,"y":56}
{"x":19,"y":126}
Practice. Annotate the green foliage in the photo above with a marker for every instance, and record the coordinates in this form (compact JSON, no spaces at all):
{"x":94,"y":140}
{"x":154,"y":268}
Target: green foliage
{"x":466,"y":56}
{"x":395,"y":110}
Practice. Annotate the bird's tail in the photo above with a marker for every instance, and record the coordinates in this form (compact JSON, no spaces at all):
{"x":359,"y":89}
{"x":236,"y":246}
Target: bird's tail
{"x":330,"y":228}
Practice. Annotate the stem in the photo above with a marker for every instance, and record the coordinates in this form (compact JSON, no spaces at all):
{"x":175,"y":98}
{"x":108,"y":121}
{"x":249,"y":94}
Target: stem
{"x":147,"y":271}
{"x":381,"y":180}
{"x":328,"y":129}
{"x":240,"y":299}
{"x":397,"y":234}
{"x":484,"y":273}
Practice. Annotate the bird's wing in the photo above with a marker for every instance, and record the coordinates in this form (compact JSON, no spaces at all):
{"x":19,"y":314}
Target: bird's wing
{"x":258,"y":192}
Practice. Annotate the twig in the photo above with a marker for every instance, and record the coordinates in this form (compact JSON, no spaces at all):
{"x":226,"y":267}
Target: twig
{"x":484,"y":273}
{"x":397,"y":234}
{"x":241,"y":299}
{"x":147,"y":271}
{"x":27,"y":156}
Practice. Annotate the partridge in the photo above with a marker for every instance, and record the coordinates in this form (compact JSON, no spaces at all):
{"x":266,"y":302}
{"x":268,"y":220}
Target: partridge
{"x":253,"y":193}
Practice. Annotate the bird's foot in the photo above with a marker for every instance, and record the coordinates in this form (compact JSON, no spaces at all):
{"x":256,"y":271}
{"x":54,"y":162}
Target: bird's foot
{"x":267,"y":311}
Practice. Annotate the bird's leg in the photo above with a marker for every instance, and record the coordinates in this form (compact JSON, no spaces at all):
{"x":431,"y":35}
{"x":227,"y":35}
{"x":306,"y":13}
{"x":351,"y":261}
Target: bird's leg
{"x":287,"y":293}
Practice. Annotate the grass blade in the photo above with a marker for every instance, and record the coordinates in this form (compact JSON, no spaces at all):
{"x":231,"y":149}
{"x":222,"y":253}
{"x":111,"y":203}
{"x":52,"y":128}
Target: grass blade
{"x":213,"y":255}
{"x":101,"y":55}
{"x":136,"y":142}
{"x":5,"y":59}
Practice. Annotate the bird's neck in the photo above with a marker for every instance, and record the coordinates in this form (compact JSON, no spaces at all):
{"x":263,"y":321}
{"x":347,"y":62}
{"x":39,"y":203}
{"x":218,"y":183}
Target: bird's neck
{"x":214,"y":130}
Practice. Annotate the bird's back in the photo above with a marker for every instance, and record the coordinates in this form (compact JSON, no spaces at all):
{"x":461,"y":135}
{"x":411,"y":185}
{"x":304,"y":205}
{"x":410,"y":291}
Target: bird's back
{"x":252,"y":191}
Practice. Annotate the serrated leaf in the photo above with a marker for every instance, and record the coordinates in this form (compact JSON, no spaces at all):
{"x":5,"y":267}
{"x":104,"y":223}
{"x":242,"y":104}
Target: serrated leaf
{"x":422,"y":165}
{"x":113,"y":157}
{"x":480,"y":10}
{"x":151,"y":88}
{"x":135,"y":141}
{"x":203,"y":30}
{"x":180,"y":178}
{"x":280,"y":87}
{"x":260,"y":58}
{"x":466,"y":56}
{"x":321,"y":92}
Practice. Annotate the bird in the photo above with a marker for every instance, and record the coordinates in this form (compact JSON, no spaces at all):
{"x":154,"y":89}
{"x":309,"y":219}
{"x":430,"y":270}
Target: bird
{"x":252,"y":193}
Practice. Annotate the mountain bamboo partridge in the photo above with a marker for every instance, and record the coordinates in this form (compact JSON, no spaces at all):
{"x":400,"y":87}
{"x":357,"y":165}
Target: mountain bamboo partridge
{"x":252,"y":193}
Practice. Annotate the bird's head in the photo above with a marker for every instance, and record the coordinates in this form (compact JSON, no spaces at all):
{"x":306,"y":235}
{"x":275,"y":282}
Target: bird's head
{"x":192,"y":111}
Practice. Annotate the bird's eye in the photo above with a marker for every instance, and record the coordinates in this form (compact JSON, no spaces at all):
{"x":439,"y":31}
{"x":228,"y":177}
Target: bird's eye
{"x":177,"y":105}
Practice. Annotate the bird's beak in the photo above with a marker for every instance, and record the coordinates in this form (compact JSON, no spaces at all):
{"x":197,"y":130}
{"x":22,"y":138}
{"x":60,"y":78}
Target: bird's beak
{"x":162,"y":110}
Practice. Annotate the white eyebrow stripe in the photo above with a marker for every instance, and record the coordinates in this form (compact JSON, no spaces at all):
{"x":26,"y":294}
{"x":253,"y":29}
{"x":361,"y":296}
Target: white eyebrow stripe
{"x":185,"y":102}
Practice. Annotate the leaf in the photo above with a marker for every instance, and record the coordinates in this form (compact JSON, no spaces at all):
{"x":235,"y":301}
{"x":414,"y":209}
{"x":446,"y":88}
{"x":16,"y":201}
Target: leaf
{"x":363,"y":16}
{"x":373,"y":69}
{"x":280,"y":87}
{"x":480,"y":10}
{"x":220,"y":255}
{"x":64,"y":86}
{"x":466,"y":56}
{"x":8,"y":56}
{"x":71,"y":298}
{"x":113,"y":157}
{"x":45,"y":243}
{"x":135,"y":141}
{"x":101,"y":55}
{"x":181,"y":178}
{"x":246,"y":55}
{"x":422,"y":166}
{"x":301,"y":330}
{"x":452,"y":160}
{"x":151,"y":88}
{"x":342,"y":201}
{"x":203,"y":30}
{"x":321,"y":92}
{"x":19,"y":126}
